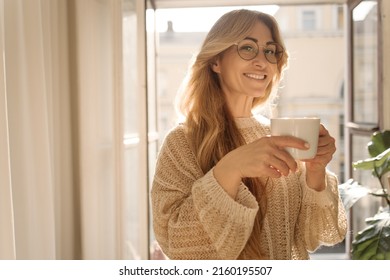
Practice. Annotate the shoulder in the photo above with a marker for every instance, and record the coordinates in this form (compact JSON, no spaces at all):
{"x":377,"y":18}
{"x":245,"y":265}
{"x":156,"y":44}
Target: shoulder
{"x":176,"y":142}
{"x":176,"y":154}
{"x":175,"y":135}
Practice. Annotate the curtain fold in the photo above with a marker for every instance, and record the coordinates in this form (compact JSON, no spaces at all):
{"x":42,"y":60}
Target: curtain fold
{"x":7,"y":240}
{"x":38,"y":196}
{"x":97,"y":140}
{"x":61,"y":141}
{"x":29,"y":134}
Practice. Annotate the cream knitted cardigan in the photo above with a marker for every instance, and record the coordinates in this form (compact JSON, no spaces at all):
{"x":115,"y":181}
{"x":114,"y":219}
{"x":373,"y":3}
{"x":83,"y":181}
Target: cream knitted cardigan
{"x":194,"y":218}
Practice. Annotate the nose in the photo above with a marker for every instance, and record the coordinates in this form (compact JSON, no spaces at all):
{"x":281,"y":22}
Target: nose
{"x":260,"y":59}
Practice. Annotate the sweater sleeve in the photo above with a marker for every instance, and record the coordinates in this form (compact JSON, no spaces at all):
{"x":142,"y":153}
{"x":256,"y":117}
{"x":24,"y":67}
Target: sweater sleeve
{"x":193,"y":217}
{"x":322,"y":217}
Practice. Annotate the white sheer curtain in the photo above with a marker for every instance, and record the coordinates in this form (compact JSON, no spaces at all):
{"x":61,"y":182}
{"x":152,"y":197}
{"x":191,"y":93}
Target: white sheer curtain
{"x":28,"y":131}
{"x":7,"y":241}
{"x":100,"y":132}
{"x":60,"y":130}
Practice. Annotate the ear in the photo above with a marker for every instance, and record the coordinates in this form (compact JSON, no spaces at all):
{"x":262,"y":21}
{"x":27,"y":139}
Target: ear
{"x":215,"y":66}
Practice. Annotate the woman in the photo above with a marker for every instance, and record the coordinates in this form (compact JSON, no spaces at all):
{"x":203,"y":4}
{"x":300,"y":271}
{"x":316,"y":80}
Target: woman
{"x":224,"y":188}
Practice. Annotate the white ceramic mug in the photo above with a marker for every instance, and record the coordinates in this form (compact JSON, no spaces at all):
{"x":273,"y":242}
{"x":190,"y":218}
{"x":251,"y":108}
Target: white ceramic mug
{"x":303,"y":128}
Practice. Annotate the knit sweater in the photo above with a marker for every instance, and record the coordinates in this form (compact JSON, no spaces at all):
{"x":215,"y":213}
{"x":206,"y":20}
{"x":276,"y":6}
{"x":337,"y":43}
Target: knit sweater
{"x":194,"y":218}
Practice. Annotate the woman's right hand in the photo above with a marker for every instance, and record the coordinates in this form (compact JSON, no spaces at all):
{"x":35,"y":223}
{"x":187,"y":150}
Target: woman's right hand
{"x":265,"y":157}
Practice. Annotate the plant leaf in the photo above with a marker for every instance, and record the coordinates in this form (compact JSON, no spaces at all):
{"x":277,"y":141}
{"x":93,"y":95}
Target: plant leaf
{"x":351,"y":192}
{"x":374,"y":162}
{"x":385,"y":167}
{"x":384,"y":241}
{"x":374,"y":241}
{"x":386,"y":138}
{"x":380,"y":141}
{"x":383,"y":214}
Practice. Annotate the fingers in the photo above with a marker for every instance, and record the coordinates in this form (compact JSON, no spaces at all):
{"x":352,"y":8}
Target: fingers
{"x":278,"y":158}
{"x":273,"y":172}
{"x":284,"y":162}
{"x":283,"y":167}
{"x":290,"y":141}
{"x":267,"y":156}
{"x":326,"y":147}
{"x":275,"y":168}
{"x":326,"y":143}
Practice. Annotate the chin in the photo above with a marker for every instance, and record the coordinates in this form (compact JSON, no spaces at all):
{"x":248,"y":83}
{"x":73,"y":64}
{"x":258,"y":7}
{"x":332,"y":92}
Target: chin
{"x":258,"y":95}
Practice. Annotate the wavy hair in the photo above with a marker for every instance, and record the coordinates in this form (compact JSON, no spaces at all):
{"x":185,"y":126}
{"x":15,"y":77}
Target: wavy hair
{"x":210,"y":126}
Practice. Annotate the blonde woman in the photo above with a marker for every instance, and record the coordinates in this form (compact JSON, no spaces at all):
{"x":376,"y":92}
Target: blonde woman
{"x":224,"y":188}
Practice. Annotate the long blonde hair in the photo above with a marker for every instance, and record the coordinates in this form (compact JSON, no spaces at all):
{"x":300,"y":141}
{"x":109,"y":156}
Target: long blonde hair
{"x":210,"y":126}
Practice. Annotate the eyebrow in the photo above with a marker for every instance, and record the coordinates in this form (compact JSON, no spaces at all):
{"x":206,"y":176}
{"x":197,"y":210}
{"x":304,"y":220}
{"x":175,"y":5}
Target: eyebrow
{"x":252,"y":39}
{"x":256,"y":41}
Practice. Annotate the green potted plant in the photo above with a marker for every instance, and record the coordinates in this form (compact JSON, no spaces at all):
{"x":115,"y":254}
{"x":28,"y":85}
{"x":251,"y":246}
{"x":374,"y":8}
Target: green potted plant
{"x":373,"y":242}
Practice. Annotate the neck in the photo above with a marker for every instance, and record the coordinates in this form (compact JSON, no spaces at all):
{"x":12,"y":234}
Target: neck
{"x":240,"y":107}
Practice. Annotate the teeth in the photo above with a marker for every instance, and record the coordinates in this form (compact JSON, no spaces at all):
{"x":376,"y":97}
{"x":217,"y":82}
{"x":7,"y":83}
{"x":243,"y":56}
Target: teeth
{"x":256,"y":77}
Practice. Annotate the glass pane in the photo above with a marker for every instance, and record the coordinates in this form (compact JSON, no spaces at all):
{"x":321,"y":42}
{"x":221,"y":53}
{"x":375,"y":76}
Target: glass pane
{"x":155,"y":253}
{"x":131,"y":207}
{"x":130,"y":70}
{"x":366,"y":206}
{"x":132,"y":181}
{"x":298,"y":95}
{"x":151,"y":69}
{"x":365,"y":62}
{"x":309,"y":20}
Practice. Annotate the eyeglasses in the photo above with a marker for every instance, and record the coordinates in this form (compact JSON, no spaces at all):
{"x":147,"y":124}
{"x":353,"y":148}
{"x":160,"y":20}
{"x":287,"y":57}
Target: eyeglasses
{"x":248,"y":49}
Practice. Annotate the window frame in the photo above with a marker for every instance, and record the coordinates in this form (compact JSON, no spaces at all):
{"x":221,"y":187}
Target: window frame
{"x":352,"y":127}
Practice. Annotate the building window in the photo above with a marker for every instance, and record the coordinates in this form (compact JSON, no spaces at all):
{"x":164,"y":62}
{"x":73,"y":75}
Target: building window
{"x":340,"y":18}
{"x":309,"y":20}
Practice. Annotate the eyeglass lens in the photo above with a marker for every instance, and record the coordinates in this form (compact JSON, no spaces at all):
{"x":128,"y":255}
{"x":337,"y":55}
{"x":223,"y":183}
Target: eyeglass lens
{"x":248,"y":49}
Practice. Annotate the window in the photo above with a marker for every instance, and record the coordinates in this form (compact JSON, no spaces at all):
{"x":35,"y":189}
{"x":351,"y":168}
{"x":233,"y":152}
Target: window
{"x":134,"y":193}
{"x":365,"y":63}
{"x":339,"y":18}
{"x":299,"y":95}
{"x":364,"y":114}
{"x":309,"y":20}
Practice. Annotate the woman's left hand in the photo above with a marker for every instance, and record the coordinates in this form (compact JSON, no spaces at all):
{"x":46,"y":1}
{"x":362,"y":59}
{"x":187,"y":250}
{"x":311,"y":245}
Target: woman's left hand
{"x":316,"y":167}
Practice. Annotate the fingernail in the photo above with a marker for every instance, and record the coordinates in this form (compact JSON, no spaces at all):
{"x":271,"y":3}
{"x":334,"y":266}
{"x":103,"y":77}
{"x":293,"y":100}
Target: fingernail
{"x":307,"y":145}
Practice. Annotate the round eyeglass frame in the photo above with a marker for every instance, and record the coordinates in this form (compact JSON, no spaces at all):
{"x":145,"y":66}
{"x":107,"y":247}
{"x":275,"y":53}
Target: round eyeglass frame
{"x":278,"y":55}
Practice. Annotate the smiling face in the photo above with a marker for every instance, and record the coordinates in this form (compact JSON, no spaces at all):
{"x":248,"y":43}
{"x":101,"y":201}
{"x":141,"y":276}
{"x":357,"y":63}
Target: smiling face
{"x":242,"y":80}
